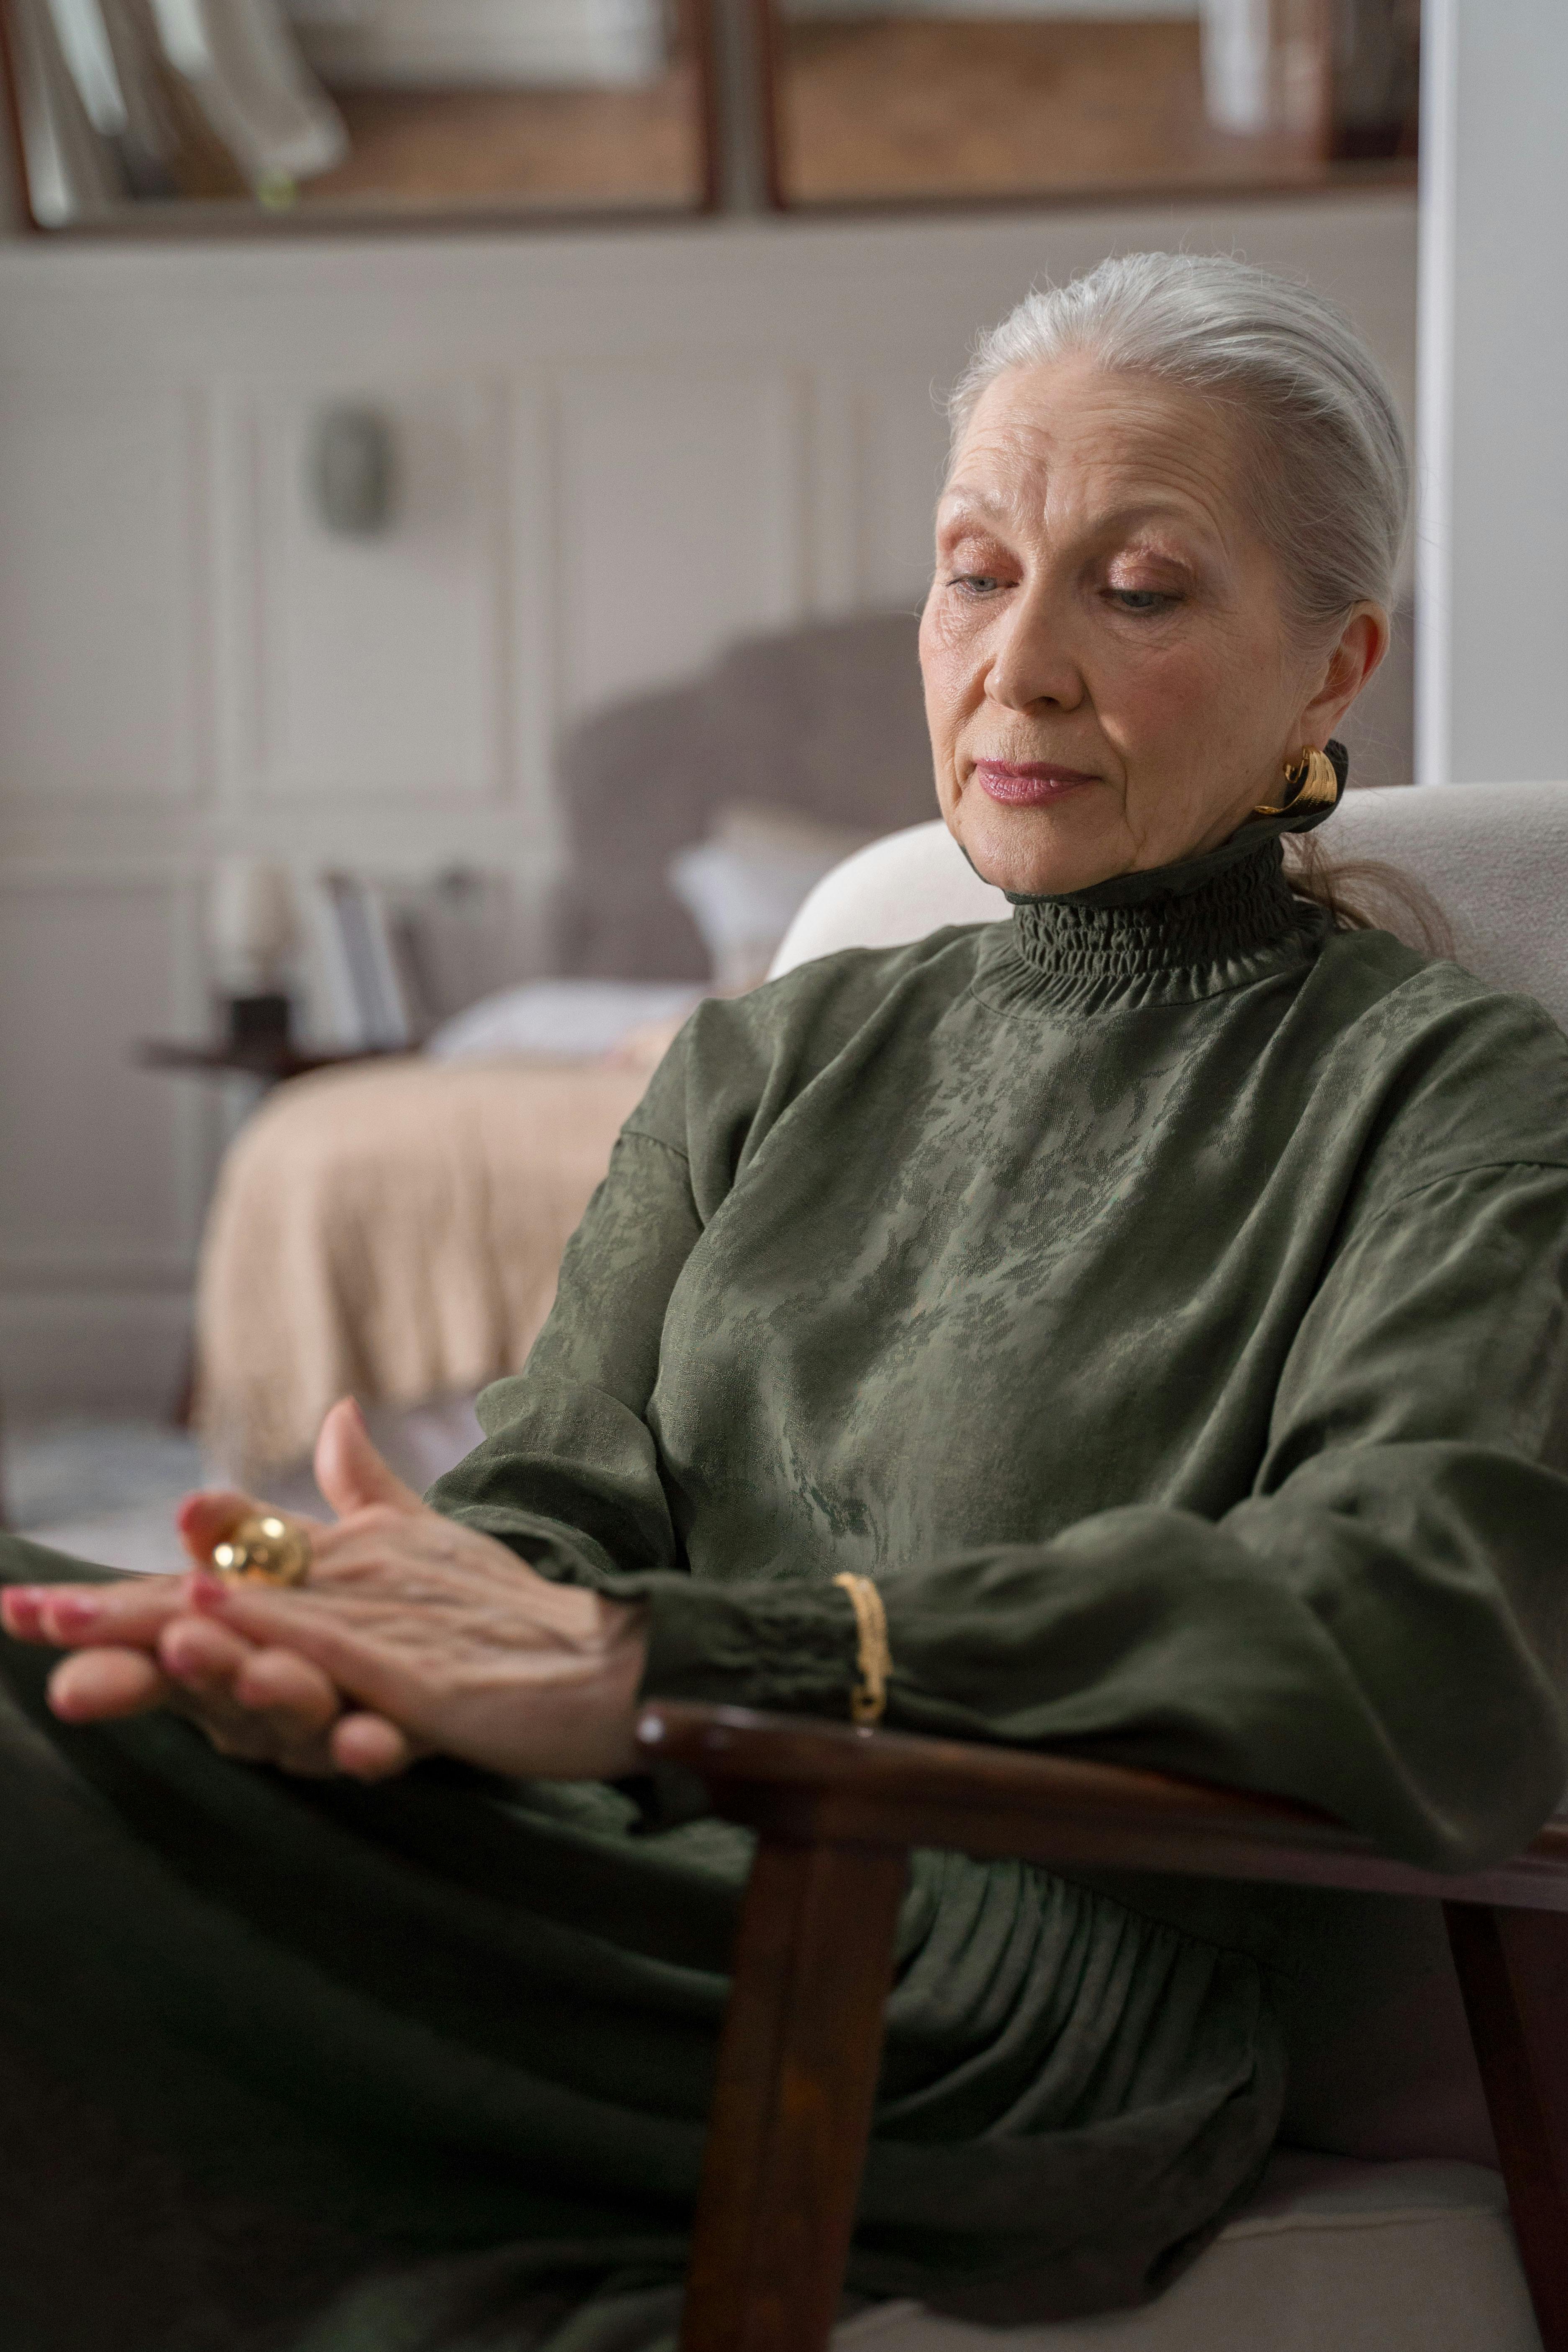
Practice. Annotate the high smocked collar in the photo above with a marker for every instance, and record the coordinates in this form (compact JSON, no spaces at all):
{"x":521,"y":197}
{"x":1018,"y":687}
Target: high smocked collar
{"x":1244,"y":906}
{"x":1167,"y":936}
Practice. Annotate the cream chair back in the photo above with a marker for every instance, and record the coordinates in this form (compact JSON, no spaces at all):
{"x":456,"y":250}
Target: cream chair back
{"x":1493,"y":856}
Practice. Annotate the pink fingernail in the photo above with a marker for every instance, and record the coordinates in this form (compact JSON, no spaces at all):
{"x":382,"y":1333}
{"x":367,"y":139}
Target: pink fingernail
{"x":74,"y":1613}
{"x":207,"y":1590}
{"x":19,"y":1608}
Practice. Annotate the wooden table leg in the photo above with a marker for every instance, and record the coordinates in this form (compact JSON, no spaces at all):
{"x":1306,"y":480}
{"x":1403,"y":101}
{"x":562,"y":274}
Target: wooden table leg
{"x":1514,"y":1973}
{"x":791,"y":2108}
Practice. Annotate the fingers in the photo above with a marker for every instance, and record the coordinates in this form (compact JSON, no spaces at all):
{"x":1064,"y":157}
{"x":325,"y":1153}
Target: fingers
{"x":287,"y":1689}
{"x":350,"y":1473}
{"x":260,"y":1705}
{"x":131,"y":1613}
{"x":288,"y":1695}
{"x":205,"y":1517}
{"x":19,"y":1605}
{"x":369,"y":1748}
{"x":362,"y":1741}
{"x":273,"y":1706}
{"x":266,"y":1710}
{"x":296,"y":1620}
{"x":266,"y":1706}
{"x":102,"y":1685}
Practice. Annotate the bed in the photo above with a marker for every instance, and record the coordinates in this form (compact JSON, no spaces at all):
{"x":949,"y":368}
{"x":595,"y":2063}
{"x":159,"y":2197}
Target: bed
{"x":393,"y":1230}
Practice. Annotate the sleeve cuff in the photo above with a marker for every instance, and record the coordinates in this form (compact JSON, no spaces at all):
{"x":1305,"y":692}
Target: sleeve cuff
{"x":556,"y":1550}
{"x":791,"y":1649}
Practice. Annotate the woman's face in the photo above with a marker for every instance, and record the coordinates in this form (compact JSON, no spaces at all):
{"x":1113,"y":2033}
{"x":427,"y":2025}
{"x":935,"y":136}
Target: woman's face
{"x":1109,"y":681}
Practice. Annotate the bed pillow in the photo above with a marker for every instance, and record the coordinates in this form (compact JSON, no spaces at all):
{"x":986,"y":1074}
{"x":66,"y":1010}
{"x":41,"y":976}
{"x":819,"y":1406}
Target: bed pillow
{"x":743,"y":884}
{"x":559,"y":1019}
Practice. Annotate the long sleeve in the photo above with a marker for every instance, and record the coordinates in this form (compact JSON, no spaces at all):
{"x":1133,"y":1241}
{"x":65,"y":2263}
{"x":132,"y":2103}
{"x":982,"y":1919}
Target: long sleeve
{"x":1192,"y":1377}
{"x":569,"y":1476}
{"x":1378,"y":1628}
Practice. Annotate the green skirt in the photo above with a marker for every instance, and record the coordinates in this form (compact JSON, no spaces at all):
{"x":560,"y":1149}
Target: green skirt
{"x":434,"y":2059}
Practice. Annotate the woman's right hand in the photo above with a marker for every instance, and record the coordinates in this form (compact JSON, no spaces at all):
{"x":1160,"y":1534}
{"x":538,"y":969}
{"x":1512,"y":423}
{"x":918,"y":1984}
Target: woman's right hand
{"x":140,"y":1645}
{"x":438,"y":1636}
{"x":146,"y":1648}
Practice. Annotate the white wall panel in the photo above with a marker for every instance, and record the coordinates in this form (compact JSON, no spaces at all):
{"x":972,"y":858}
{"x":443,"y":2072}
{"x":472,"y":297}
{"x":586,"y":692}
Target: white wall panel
{"x":529,"y":617}
{"x":900,"y":435}
{"x":98,"y":599}
{"x":680,"y":518}
{"x":92,"y":1347}
{"x":365,"y":667}
{"x":98,"y":1159}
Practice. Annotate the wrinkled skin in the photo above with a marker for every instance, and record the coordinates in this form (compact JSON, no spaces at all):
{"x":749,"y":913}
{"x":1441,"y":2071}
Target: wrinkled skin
{"x":413,"y":1634}
{"x":1103,"y":603}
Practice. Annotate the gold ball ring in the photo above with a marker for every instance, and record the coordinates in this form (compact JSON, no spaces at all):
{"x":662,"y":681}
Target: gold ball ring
{"x":265,"y":1549}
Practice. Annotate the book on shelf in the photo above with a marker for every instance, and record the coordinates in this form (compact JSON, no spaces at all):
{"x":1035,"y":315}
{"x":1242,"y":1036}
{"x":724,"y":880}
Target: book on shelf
{"x":124,"y":101}
{"x":370,"y":993}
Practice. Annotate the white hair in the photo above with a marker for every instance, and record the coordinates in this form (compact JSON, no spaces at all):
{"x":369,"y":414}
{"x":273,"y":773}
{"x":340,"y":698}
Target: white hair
{"x":1331,"y":487}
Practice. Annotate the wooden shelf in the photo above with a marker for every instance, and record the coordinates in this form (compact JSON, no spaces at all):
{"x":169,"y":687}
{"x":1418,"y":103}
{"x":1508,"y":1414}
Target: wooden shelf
{"x":272,"y":1064}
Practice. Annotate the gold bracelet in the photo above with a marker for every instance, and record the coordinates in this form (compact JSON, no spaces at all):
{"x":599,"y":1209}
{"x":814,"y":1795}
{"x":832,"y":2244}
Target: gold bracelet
{"x":869,"y":1696}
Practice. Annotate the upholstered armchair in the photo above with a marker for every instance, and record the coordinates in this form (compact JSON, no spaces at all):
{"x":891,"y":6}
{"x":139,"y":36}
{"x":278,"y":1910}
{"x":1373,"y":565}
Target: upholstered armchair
{"x":836,"y":1811}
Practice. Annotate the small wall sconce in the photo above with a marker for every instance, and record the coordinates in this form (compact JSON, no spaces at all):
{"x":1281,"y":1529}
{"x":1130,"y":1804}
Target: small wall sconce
{"x":353,"y":470}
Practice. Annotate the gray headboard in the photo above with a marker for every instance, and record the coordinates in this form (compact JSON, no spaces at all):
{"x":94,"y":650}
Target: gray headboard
{"x":825,"y":719}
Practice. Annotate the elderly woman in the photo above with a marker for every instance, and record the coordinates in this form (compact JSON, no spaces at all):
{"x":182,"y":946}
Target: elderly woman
{"x":1140,"y":1326}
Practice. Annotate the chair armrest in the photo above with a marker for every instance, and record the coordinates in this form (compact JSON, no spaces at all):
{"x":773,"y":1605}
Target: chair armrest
{"x":809,"y":1783}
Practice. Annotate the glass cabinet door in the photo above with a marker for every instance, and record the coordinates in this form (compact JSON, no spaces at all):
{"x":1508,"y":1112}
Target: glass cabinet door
{"x":878,"y":101}
{"x":148,"y":112}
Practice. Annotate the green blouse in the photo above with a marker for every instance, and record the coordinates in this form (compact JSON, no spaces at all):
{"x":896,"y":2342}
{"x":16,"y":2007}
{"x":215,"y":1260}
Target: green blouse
{"x":1160,"y":1296}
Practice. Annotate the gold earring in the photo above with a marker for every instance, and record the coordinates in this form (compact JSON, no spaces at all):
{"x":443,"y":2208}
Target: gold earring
{"x":1311,"y":782}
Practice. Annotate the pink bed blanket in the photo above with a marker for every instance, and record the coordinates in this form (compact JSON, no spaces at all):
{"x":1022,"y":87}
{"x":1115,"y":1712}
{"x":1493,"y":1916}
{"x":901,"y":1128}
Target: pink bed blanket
{"x":392,"y":1231}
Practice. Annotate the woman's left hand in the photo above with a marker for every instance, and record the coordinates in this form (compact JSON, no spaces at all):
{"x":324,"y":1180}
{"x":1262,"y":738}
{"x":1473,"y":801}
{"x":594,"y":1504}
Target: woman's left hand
{"x":440,"y":1636}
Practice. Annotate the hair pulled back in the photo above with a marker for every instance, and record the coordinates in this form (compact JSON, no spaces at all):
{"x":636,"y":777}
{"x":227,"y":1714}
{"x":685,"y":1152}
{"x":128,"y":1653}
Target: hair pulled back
{"x":1330,"y":477}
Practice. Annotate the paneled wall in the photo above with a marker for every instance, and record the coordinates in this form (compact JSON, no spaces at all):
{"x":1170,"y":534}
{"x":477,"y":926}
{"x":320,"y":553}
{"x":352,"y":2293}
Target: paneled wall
{"x":617,"y":450}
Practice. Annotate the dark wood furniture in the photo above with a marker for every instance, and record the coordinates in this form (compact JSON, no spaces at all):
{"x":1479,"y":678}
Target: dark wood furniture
{"x":265,"y":1060}
{"x":836,"y":1812}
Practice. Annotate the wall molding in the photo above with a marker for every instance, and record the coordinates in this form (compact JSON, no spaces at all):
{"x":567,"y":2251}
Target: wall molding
{"x":309,"y":627}
{"x":106,"y":671}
